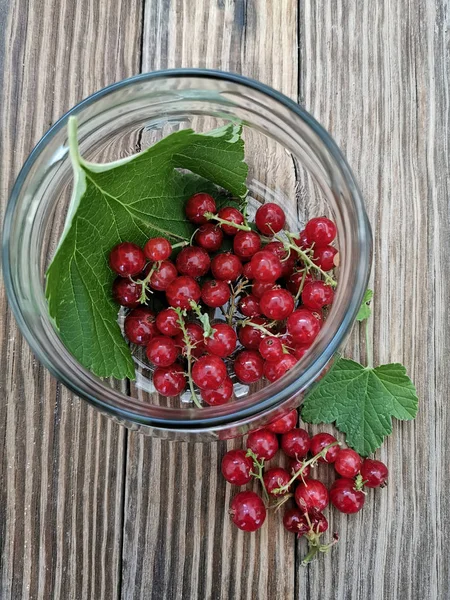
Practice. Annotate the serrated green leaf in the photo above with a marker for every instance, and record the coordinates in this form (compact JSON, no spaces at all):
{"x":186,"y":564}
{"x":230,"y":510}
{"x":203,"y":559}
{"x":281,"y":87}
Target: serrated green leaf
{"x":362,"y":401}
{"x":132,"y":199}
{"x":364,"y":310}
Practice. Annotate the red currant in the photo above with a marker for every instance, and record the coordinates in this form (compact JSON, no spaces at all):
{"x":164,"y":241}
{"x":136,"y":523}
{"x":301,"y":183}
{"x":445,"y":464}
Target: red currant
{"x":158,"y":249}
{"x":246,"y":244}
{"x":249,"y":306}
{"x":250,"y":337}
{"x":197,"y":206}
{"x":311,"y":494}
{"x":247,"y":511}
{"x":276,"y":478}
{"x":263,"y":442}
{"x":163,"y":276}
{"x":270,"y":218}
{"x":237,"y":467}
{"x":374,"y":473}
{"x":303,"y":326}
{"x":195,"y":335}
{"x":276,"y":369}
{"x":287,"y":260}
{"x":266,"y":266}
{"x":271,"y":349}
{"x":127,"y":259}
{"x":161,"y":351}
{"x":318,"y":443}
{"x":324,"y":257}
{"x":247,"y":270}
{"x":295,"y":466}
{"x":193,"y":261}
{"x":126,"y":292}
{"x":230,"y":214}
{"x":319,"y":523}
{"x":347,"y":463}
{"x":167,"y":322}
{"x":321,"y":231}
{"x":277,"y":304}
{"x":295,"y":281}
{"x":345,"y":497}
{"x":259,"y":287}
{"x":295,"y":443}
{"x":215,"y":293}
{"x":139,"y":326}
{"x":209,"y":372}
{"x":226,"y":267}
{"x":219,"y":396}
{"x":300,"y":351}
{"x":316,"y":295}
{"x":209,"y":237}
{"x":169,"y":381}
{"x":303,"y":241}
{"x":295,"y":521}
{"x":285,"y":423}
{"x":223,"y":340}
{"x":248,"y":366}
{"x":181,"y":291}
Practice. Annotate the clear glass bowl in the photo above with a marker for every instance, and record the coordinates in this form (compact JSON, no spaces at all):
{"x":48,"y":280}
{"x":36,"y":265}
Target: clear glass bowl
{"x":292,"y":160}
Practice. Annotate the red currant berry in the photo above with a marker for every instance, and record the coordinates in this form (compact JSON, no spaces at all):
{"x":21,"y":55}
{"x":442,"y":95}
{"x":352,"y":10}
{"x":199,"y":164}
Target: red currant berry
{"x":276,"y":369}
{"x":230,"y":214}
{"x":246,"y":244}
{"x":285,"y":423}
{"x":270,"y":218}
{"x":295,"y":521}
{"x":169,"y":381}
{"x":247,"y":270}
{"x":215,"y":293}
{"x":263,"y":442}
{"x":295,"y":281}
{"x":295,"y":443}
{"x":181,"y":291}
{"x":140,"y":327}
{"x":167,"y":322}
{"x":344,"y":496}
{"x":209,"y":372}
{"x":219,"y":396}
{"x":237,"y":467}
{"x":303,"y":241}
{"x":374,"y":473}
{"x":250,"y":337}
{"x":259,"y":287}
{"x":321,"y":231}
{"x":311,"y":494}
{"x":248,"y":366}
{"x":193,"y":261}
{"x":303,"y":327}
{"x":318,"y":443}
{"x":209,"y":237}
{"x":249,"y":306}
{"x":316,"y":295}
{"x":197,"y":341}
{"x":126,"y":292}
{"x":163,"y":276}
{"x":226,"y":267}
{"x":197,"y":206}
{"x":277,"y":304}
{"x":266,"y":266}
{"x":247,"y":511}
{"x":161,"y":351}
{"x":295,"y":466}
{"x":271,"y":349}
{"x":300,"y":351}
{"x":127,"y":259}
{"x":158,"y":249}
{"x":324,"y":257}
{"x":347,"y":463}
{"x":276,"y":478}
{"x":287,"y":260}
{"x":223,"y":340}
{"x":319,"y":523}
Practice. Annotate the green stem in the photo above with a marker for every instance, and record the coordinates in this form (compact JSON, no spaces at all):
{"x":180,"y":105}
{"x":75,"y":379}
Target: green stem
{"x":212,"y":217}
{"x":180,"y":245}
{"x":300,"y":287}
{"x":235,"y":292}
{"x":188,"y":345}
{"x":203,"y":318}
{"x":261,"y":328}
{"x":144,"y":282}
{"x":307,"y":260}
{"x":369,"y":347}
{"x":74,"y":151}
{"x":259,"y":464}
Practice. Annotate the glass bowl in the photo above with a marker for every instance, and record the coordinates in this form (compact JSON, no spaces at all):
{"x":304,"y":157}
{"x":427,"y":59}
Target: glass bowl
{"x":292,"y":160}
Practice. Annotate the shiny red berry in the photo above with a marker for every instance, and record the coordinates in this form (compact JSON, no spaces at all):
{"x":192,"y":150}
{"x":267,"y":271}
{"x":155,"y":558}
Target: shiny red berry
{"x":266,"y":266}
{"x":215,"y":293}
{"x":270,"y":218}
{"x":209,"y":237}
{"x":158,"y":249}
{"x":311,"y":494}
{"x":320,"y":231}
{"x":303,"y":241}
{"x":295,"y":466}
{"x":167,"y":322}
{"x":276,"y":478}
{"x":246,"y":244}
{"x":285,"y":423}
{"x":196,"y":339}
{"x":249,"y":306}
{"x":345,"y":497}
{"x":237,"y":467}
{"x":163,"y":276}
{"x":319,"y":442}
{"x":223,"y":340}
{"x":324,"y":257}
{"x":250,"y":337}
{"x":277,"y":304}
{"x":247,"y":270}
{"x":302,"y":326}
{"x":319,"y":523}
{"x":347,"y":463}
{"x":248,"y":366}
{"x":197,"y":206}
{"x":294,"y":520}
{"x":300,"y":351}
{"x":247,"y":511}
{"x":169,"y":381}
{"x":263,"y":443}
{"x":161,"y":351}
{"x":193,"y":261}
{"x":126,"y":292}
{"x":219,"y":396}
{"x":295,"y":443}
{"x":374,"y":473}
{"x":271,"y":349}
{"x":209,"y":372}
{"x":127,"y":259}
{"x":287,"y":260}
{"x":259,"y":287}
{"x":316,"y":295}
{"x":226,"y":267}
{"x":140,"y":327}
{"x":276,"y":369}
{"x":230,"y":214}
{"x":181,"y":291}
{"x":295,"y":281}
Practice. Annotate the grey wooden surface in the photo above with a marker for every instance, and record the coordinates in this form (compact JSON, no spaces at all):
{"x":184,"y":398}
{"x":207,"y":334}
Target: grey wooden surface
{"x":91,"y":511}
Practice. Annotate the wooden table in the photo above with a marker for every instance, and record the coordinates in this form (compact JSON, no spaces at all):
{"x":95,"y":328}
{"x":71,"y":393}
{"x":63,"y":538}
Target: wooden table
{"x":90,"y":510}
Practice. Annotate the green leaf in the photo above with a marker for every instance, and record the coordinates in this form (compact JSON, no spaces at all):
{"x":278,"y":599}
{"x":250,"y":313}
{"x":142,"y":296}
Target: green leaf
{"x":362,"y":401}
{"x":132,"y":199}
{"x":365,"y":311}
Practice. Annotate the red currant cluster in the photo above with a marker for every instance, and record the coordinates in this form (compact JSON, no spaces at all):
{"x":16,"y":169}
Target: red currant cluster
{"x":271,"y":292}
{"x":248,"y":510}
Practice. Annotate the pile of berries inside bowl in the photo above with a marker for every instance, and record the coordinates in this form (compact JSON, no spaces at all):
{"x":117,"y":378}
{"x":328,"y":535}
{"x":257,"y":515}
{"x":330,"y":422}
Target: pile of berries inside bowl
{"x":279,"y":485}
{"x":241,"y":301}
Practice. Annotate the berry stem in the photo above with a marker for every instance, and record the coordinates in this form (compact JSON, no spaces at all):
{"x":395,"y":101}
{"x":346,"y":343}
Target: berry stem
{"x":306,"y":259}
{"x":180,"y":244}
{"x":144,"y":282}
{"x":301,"y":286}
{"x":259,"y":327}
{"x":235,"y":292}
{"x":181,"y":314}
{"x":212,"y":217}
{"x":203,"y":318}
{"x":259,"y":465}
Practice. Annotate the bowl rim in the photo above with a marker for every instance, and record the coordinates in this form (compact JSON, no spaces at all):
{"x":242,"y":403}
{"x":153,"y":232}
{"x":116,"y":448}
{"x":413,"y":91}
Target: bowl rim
{"x":272,"y":402}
